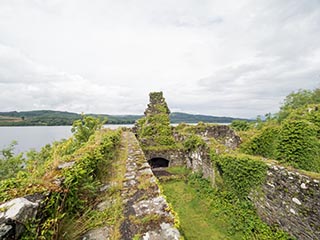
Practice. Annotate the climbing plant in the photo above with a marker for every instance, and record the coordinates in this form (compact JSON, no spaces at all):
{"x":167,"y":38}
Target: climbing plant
{"x":240,"y":173}
{"x":264,"y":142}
{"x":299,"y":145}
{"x":154,"y":128}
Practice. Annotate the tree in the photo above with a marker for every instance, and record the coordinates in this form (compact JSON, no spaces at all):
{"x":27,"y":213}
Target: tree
{"x":83,"y":128}
{"x":10,"y":164}
{"x":297,"y":100}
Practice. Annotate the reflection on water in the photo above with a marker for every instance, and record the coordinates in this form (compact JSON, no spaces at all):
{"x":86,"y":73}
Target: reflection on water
{"x":35,"y":137}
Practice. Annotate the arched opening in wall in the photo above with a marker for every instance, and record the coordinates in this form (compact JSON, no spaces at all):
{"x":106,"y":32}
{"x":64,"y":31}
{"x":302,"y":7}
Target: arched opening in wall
{"x":158,"y":162}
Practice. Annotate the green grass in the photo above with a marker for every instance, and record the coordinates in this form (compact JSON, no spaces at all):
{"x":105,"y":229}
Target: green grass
{"x":214,"y":213}
{"x":196,"y":220}
{"x":179,"y":170}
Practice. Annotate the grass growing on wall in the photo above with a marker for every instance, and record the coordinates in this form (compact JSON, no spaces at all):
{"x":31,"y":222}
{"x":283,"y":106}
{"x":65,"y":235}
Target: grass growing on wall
{"x":79,"y":189}
{"x":110,"y":173}
{"x":79,"y":184}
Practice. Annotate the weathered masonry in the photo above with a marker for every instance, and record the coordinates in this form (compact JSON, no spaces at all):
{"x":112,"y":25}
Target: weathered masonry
{"x":287,"y":198}
{"x":146,"y":212}
{"x":290,"y":200}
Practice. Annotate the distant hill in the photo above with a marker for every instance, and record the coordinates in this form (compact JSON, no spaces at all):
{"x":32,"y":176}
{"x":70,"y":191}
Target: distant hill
{"x":60,"y":118}
{"x":178,"y":117}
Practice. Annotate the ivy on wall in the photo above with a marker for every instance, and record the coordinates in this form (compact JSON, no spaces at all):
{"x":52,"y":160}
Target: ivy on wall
{"x":240,"y":173}
{"x":294,"y":141}
{"x":154,"y":128}
{"x":299,"y":145}
{"x":263,"y":143}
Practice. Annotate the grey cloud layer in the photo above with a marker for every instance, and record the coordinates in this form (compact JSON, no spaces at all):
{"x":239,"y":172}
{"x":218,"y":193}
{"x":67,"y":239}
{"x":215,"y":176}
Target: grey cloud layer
{"x":207,"y":56}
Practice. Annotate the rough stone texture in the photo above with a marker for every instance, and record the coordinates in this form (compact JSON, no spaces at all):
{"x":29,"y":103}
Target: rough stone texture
{"x":222,"y":133}
{"x":65,"y":165}
{"x":291,"y":201}
{"x":199,"y":161}
{"x":97,"y":234}
{"x":165,"y":232}
{"x":146,"y":212}
{"x":15,"y":213}
{"x":175,"y":157}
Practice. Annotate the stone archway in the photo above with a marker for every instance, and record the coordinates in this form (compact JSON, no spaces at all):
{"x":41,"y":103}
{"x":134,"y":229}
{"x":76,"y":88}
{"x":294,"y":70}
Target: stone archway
{"x":158,"y":162}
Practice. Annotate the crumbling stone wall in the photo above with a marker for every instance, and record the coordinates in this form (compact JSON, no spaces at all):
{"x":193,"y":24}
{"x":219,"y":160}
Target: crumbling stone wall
{"x":199,"y":161}
{"x":156,"y":99}
{"x":146,"y":211}
{"x":154,"y":128}
{"x":222,"y":133}
{"x":290,"y":200}
{"x":17,"y":213}
{"x":175,"y":157}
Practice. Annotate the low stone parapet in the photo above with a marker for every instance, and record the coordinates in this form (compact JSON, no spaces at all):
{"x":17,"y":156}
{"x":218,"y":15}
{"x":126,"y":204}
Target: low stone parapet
{"x":147,"y":213}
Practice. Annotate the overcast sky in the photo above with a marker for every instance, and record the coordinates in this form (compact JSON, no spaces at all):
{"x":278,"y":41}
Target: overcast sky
{"x":225,"y":58}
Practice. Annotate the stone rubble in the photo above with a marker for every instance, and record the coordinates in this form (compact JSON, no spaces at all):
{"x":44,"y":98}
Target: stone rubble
{"x":16,"y":213}
{"x":97,"y":234}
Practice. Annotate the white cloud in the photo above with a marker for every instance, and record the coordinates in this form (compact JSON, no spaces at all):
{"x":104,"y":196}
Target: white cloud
{"x":207,"y":56}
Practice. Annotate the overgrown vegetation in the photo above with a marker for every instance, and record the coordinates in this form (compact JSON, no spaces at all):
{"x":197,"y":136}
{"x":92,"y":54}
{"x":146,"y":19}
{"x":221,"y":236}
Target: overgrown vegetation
{"x":240,"y":173}
{"x":10,"y":164}
{"x":154,"y":128}
{"x":296,"y":100}
{"x":240,"y":125}
{"x":299,"y":145}
{"x":215,"y":213}
{"x":291,"y":136}
{"x":71,"y":191}
{"x":83,"y":128}
{"x":193,"y":142}
{"x":264,"y":142}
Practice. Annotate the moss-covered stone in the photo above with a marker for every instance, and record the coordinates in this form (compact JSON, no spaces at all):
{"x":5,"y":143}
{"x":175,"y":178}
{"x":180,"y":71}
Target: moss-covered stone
{"x":154,"y":128}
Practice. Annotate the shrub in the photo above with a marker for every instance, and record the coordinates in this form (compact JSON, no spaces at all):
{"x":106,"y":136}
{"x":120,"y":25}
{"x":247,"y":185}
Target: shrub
{"x":299,"y":145}
{"x":82,"y":129}
{"x":240,"y":125}
{"x":10,"y":164}
{"x":240,"y":173}
{"x":264,"y":142}
{"x":193,"y":142}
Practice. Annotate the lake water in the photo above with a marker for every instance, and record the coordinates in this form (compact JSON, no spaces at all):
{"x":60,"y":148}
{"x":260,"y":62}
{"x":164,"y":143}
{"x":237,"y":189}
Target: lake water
{"x":35,"y":137}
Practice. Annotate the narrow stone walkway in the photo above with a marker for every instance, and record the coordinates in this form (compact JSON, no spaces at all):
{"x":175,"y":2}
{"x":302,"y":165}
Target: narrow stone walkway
{"x":146,"y":212}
